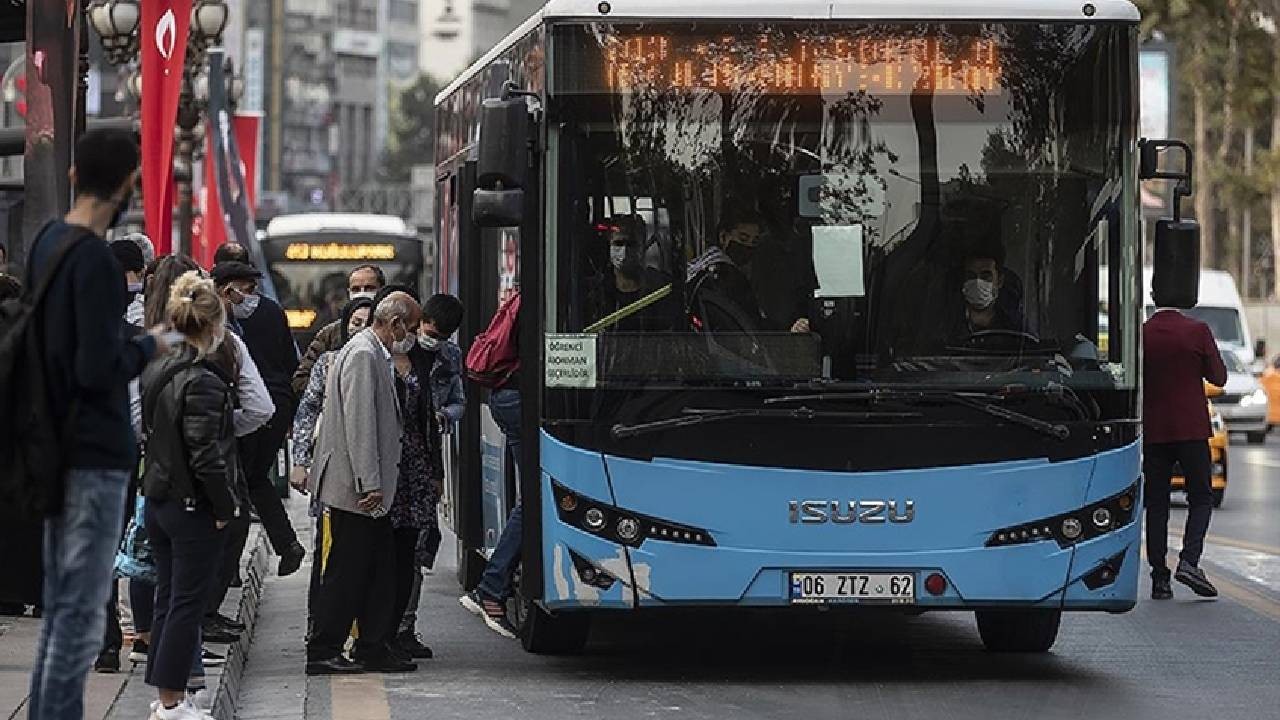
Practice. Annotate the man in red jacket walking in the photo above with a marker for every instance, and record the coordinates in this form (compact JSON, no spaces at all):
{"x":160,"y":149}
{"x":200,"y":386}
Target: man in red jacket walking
{"x":1180,"y":354}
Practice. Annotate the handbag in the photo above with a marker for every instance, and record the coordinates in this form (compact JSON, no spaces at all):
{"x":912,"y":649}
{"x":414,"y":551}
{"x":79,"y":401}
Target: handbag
{"x":134,"y":560}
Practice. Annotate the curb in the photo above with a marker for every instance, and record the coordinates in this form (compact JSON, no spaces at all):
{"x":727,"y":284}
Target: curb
{"x":255,"y":573}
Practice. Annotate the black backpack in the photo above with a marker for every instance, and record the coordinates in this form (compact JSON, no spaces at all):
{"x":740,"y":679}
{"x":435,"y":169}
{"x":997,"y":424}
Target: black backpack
{"x":32,"y":445}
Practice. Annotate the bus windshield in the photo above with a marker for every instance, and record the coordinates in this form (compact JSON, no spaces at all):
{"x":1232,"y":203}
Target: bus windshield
{"x":749,"y":204}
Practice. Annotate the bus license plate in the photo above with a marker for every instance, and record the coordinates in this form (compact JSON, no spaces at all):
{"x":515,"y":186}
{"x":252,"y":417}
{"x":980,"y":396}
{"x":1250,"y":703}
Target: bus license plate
{"x":853,"y":587}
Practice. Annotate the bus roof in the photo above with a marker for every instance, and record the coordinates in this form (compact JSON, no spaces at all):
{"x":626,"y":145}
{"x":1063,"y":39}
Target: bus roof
{"x":322,"y":223}
{"x":1034,"y":10}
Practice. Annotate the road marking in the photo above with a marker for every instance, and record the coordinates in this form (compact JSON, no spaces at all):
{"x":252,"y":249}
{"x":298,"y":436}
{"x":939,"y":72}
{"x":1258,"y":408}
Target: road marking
{"x":360,"y":697}
{"x":1259,"y":603}
{"x":1232,"y":542}
{"x":1255,"y":601}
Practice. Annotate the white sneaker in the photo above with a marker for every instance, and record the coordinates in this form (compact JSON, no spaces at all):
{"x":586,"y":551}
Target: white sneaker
{"x":183,"y":711}
{"x":201,"y":698}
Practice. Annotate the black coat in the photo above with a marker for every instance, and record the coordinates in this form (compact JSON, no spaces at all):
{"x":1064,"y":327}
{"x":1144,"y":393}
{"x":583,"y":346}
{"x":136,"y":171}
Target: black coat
{"x":191,"y":443}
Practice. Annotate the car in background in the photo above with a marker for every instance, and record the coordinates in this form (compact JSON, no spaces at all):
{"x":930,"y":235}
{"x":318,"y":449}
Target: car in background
{"x":1218,"y":455}
{"x":1243,"y":402}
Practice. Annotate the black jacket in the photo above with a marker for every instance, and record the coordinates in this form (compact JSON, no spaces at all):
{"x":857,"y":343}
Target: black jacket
{"x":88,"y":361}
{"x":266,"y":333}
{"x":191,"y":443}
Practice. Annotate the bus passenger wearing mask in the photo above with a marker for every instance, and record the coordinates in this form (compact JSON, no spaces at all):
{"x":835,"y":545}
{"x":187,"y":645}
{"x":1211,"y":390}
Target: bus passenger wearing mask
{"x":628,"y":281}
{"x":719,"y":279}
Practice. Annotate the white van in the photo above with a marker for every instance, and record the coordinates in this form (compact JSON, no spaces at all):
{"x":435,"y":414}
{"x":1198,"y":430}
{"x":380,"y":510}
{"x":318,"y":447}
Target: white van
{"x":1220,"y":308}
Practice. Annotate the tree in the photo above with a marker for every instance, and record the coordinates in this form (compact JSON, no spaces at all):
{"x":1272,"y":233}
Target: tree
{"x":413,"y":130}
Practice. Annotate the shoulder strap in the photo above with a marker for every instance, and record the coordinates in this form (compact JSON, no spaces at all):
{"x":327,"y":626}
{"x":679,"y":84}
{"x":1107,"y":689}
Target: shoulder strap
{"x":55,"y":260}
{"x":149,"y":399}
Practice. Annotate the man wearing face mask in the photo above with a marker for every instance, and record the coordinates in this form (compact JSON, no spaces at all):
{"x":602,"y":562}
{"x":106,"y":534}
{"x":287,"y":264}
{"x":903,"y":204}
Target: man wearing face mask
{"x":364,"y":281}
{"x":719,"y":279}
{"x":272,"y":351}
{"x":356,"y":466}
{"x":983,"y":279}
{"x":628,"y":280}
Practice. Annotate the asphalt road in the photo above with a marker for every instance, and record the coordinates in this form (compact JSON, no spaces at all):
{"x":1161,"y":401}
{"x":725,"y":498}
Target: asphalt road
{"x":1180,"y":659}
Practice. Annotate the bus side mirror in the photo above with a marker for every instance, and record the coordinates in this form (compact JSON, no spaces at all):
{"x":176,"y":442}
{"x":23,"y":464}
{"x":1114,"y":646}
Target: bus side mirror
{"x":503,"y":157}
{"x":497,"y":208}
{"x":502,"y":162}
{"x":1175,"y":275}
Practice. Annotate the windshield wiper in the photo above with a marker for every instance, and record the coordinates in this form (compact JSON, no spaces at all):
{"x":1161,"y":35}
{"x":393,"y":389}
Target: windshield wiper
{"x":698,"y":416}
{"x":981,"y":401}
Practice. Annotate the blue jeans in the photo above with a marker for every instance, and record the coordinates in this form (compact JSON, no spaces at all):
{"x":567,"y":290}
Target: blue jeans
{"x":496,"y":581}
{"x":79,"y":558}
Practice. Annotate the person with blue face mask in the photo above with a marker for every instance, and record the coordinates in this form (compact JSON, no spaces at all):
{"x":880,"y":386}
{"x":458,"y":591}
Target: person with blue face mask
{"x":238,"y":285}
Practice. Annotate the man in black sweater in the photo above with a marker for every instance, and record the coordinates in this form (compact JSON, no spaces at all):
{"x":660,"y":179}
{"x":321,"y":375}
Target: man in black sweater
{"x":88,"y":365}
{"x":262,"y":325}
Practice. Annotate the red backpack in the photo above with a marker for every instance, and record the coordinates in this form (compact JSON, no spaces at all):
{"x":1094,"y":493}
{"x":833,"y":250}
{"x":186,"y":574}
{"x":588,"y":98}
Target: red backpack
{"x":495,"y":355}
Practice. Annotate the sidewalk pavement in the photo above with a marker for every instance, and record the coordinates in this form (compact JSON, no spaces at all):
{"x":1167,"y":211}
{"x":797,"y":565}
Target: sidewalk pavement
{"x":125,"y":695}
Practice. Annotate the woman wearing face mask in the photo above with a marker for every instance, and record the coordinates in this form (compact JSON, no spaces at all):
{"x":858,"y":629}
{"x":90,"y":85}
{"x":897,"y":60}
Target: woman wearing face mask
{"x":354,"y":318}
{"x":189,"y":484}
{"x":421,"y":473}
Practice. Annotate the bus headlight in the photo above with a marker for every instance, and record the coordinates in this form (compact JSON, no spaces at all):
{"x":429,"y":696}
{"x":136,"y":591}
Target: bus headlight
{"x":1074,"y":527}
{"x":628,"y":529}
{"x":593,"y":518}
{"x":619,"y":525}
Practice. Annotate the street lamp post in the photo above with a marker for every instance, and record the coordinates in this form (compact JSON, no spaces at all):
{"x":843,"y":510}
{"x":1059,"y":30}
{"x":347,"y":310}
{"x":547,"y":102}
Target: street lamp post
{"x":116,"y":21}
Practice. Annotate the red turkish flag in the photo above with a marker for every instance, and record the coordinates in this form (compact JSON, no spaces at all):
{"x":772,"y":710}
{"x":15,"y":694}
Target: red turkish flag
{"x":164,"y":28}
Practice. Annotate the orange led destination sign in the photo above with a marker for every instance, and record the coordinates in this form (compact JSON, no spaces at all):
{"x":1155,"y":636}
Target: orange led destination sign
{"x":340,"y":251}
{"x":801,"y":65}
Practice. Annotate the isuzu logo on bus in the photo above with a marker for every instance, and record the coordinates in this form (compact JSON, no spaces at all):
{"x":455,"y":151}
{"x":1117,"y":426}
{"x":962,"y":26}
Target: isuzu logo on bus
{"x":848,"y":512}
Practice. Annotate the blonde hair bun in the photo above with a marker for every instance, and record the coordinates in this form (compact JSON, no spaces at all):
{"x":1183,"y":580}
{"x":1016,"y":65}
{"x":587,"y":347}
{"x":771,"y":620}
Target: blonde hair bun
{"x":196,"y":311}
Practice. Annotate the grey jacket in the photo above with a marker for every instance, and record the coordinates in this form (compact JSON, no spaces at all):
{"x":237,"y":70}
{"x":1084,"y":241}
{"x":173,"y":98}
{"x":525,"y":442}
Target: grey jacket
{"x":358,"y":447}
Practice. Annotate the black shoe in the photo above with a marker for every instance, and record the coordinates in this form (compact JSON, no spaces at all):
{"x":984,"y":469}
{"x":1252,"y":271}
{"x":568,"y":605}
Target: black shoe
{"x":413,"y":646}
{"x":210,"y":658}
{"x":140,"y":652}
{"x":493,"y":612}
{"x":108,"y":662}
{"x":228,"y":623}
{"x":1194,"y":578}
{"x":215,"y":632}
{"x":236,"y":582}
{"x":334,"y":666}
{"x":1161,"y":589}
{"x":389,"y":663}
{"x":291,"y":560}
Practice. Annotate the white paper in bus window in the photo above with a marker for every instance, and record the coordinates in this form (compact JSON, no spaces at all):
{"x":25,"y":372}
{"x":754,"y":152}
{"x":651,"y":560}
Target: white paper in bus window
{"x":837,"y":260}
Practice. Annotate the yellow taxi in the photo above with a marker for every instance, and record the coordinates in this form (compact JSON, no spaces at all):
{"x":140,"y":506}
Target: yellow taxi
{"x":1217,"y":455}
{"x":1271,"y":383}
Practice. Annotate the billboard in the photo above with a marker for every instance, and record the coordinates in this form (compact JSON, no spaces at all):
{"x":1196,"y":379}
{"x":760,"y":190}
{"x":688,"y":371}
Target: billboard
{"x":1154,"y":95}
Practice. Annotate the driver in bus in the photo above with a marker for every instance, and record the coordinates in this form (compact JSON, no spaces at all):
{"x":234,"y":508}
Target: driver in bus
{"x":983,"y":282}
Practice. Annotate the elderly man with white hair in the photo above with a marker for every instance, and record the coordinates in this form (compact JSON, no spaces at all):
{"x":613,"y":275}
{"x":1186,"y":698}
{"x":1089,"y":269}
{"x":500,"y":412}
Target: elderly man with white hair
{"x":355,"y":468}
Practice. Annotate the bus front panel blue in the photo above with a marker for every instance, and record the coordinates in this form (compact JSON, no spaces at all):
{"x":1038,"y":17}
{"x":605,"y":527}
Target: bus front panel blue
{"x":760,"y":538}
